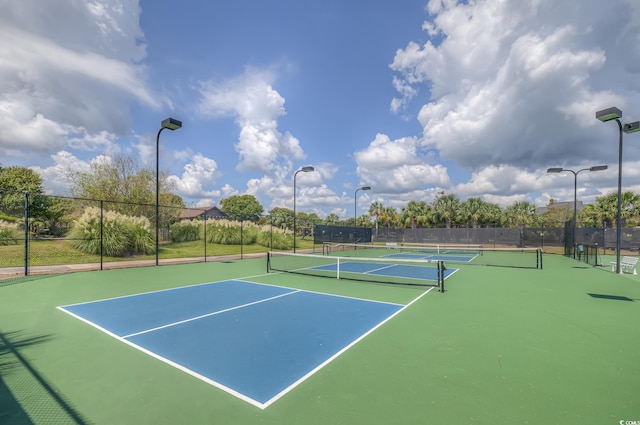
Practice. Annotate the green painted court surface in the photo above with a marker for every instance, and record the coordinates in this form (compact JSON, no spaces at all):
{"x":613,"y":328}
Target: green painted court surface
{"x":501,"y":346}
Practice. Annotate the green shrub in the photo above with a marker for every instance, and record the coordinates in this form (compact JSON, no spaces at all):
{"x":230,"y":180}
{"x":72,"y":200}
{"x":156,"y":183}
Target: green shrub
{"x":10,"y":219}
{"x":141,"y":238}
{"x":10,"y":233}
{"x":184,"y":231}
{"x":121,"y":235}
{"x":275,"y":238}
{"x":227,"y":232}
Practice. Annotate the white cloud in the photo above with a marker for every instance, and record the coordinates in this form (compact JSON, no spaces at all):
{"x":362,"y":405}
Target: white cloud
{"x":56,"y":178}
{"x":251,"y":100}
{"x":198,"y":174}
{"x":67,"y":72}
{"x":398,"y":166}
{"x":518,"y":83}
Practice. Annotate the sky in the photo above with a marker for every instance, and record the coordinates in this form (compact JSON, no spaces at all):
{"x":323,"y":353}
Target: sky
{"x":412,"y":98}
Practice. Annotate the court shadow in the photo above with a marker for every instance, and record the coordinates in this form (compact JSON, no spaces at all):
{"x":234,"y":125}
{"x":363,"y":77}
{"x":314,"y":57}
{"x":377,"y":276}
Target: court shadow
{"x":48,"y":401}
{"x":610,"y":297}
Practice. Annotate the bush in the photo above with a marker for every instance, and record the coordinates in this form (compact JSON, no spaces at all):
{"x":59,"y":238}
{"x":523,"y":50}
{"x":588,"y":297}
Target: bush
{"x":10,"y":233}
{"x":184,"y":231}
{"x":10,"y":219}
{"x":141,"y":238}
{"x":227,"y":232}
{"x":121,"y":235}
{"x":275,"y":238}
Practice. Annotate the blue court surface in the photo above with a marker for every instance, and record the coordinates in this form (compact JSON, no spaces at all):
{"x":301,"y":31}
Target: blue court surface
{"x":254,"y":341}
{"x":387,"y":269}
{"x":442,"y":257}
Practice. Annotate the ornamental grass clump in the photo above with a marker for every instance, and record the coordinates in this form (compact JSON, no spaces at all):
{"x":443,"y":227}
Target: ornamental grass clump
{"x":227,"y":232}
{"x":141,"y":238}
{"x":185,"y":231}
{"x":275,"y":238}
{"x":10,"y":233}
{"x":122,"y":235}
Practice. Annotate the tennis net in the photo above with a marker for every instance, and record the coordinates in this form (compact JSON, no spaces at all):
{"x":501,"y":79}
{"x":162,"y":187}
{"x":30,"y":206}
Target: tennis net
{"x":412,"y":272}
{"x":472,"y":255}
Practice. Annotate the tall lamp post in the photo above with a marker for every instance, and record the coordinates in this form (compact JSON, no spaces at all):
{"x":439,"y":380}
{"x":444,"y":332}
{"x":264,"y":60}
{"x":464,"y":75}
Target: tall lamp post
{"x":306,"y":169}
{"x":575,"y":193}
{"x":611,"y":114}
{"x":171,"y":124}
{"x":355,"y":203}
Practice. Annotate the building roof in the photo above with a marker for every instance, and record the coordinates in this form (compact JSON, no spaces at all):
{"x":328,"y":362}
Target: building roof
{"x":203,"y":212}
{"x":563,"y":204}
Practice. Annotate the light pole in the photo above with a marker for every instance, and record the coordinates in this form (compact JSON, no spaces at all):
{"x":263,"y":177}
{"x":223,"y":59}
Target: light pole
{"x":171,"y":124}
{"x":611,"y":114}
{"x":306,"y":169}
{"x":355,"y":208}
{"x":575,"y":194}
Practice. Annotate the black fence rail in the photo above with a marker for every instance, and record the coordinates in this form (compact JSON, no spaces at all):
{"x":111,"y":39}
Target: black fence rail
{"x":487,"y":236}
{"x":40,"y":233}
{"x":340,"y":234}
{"x":49,"y":234}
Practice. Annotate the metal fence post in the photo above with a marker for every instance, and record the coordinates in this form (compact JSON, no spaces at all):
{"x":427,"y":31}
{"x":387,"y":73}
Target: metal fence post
{"x":205,"y":237}
{"x":101,"y":231}
{"x":26,"y":233}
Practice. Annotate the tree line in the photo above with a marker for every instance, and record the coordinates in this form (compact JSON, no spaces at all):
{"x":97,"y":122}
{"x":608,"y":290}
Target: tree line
{"x":131,"y":190}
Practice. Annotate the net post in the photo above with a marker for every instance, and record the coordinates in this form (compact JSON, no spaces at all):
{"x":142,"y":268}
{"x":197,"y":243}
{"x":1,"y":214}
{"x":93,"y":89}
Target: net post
{"x":338,"y":268}
{"x":268,"y":261}
{"x":441,"y":275}
{"x":539,"y":258}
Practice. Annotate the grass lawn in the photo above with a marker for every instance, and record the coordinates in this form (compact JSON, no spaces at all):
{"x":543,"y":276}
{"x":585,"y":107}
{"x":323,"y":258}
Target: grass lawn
{"x":44,"y":252}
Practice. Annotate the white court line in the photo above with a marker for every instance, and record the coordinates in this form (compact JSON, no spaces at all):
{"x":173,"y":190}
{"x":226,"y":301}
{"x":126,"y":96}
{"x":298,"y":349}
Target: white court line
{"x":388,"y":266}
{"x":336,"y":355}
{"x":209,"y":314}
{"x":322,"y":293}
{"x":169,"y":362}
{"x":230,"y":390}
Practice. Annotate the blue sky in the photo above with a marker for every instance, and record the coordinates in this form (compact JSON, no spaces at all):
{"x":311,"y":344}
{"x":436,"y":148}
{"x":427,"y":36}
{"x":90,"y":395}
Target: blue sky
{"x":412,"y":98}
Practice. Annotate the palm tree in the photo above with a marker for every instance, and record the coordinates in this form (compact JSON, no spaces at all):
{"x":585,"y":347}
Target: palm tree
{"x":375,"y":210}
{"x":390,"y":217}
{"x":521,"y":213}
{"x":332,"y":219}
{"x":447,"y":208}
{"x":416,"y":212}
{"x":363,"y":221}
{"x":607,"y":206}
{"x":493,"y":214}
{"x":473,"y":210}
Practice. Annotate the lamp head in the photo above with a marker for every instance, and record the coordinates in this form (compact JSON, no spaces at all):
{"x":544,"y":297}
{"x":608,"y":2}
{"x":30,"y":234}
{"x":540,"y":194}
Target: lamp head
{"x":365,"y":188}
{"x":307,"y":169}
{"x":598,"y":168}
{"x":632,"y":127}
{"x":609,"y":114}
{"x":555,"y":170}
{"x":171,"y":124}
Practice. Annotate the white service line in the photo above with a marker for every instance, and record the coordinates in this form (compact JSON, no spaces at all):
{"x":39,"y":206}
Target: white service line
{"x":209,"y":314}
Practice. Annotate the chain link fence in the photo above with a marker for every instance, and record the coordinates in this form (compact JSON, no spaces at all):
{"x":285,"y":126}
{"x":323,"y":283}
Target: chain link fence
{"x":49,"y":234}
{"x":523,"y":237}
{"x":52,"y":234}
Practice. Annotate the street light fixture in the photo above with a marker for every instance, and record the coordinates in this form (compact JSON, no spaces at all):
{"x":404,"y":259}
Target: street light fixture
{"x":355,"y":204}
{"x":611,"y":114}
{"x":575,"y":193}
{"x":306,"y":169}
{"x":171,"y":124}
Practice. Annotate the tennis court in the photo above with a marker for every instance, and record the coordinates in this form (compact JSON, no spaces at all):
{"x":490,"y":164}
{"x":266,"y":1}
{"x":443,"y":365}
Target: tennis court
{"x":229,"y":343}
{"x":254,"y":341}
